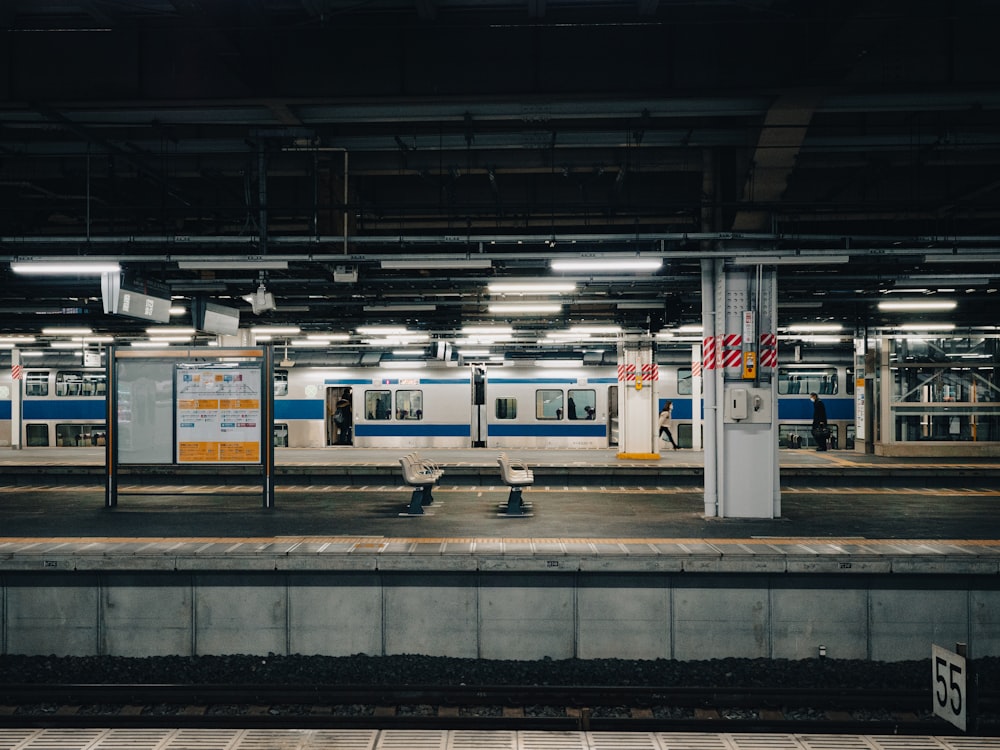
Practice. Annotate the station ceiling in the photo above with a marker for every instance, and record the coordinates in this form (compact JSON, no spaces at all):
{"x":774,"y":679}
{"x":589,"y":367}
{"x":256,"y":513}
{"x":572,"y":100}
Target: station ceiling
{"x":347,"y":153}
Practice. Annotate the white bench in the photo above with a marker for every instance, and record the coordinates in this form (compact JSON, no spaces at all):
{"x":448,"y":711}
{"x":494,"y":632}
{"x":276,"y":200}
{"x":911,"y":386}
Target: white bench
{"x":516,"y":475}
{"x":422,"y":475}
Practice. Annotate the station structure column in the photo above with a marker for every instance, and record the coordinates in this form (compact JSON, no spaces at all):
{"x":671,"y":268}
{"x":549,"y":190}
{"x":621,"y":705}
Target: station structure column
{"x":739,"y":366}
{"x":637,"y":408}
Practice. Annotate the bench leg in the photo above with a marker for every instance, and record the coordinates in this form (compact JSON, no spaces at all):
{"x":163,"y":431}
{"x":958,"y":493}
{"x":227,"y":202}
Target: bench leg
{"x":416,"y":507}
{"x":426,"y":498}
{"x":515,"y":507}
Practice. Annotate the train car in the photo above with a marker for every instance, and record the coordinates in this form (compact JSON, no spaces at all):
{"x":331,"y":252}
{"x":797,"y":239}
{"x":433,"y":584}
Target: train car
{"x":503,"y":407}
{"x":61,"y":407}
{"x":495,"y":407}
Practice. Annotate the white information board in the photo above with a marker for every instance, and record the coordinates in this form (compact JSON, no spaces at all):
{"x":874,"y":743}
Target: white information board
{"x":948,"y":673}
{"x":218,"y":415}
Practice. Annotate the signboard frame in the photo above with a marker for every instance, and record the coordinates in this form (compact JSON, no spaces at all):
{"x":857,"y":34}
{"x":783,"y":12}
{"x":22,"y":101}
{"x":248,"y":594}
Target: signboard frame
{"x":243,"y":427}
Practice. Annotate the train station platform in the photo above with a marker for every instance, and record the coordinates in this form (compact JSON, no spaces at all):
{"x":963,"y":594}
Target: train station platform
{"x":601,"y":567}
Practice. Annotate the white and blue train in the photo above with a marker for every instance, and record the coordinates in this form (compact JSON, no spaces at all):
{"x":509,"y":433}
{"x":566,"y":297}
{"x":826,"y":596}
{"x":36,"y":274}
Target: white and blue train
{"x":507,"y":406}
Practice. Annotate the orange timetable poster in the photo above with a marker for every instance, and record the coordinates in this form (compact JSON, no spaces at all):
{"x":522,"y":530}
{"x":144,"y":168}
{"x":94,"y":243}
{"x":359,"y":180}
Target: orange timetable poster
{"x":218,"y":415}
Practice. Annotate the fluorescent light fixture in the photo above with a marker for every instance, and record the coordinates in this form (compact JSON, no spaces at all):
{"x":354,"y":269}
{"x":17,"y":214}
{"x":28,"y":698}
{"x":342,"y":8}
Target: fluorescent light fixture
{"x":66,"y":331}
{"x":328,"y":336}
{"x":177,"y":310}
{"x":17,"y":340}
{"x":433,"y":263}
{"x":408,"y":352}
{"x":927,"y":327}
{"x":608,"y":265}
{"x":310,"y":343}
{"x":517,"y":308}
{"x":402,"y":365}
{"x":689,"y":328}
{"x":567,"y":335}
{"x":474,"y":352}
{"x":916,"y":305}
{"x":558,"y":363}
{"x":788,"y":260}
{"x":250,"y":265}
{"x":171,"y":331}
{"x":149,"y":344}
{"x":169,"y":339}
{"x":98,"y":339}
{"x":65,"y":345}
{"x":275,"y":330}
{"x":815,"y":327}
{"x":32,"y":354}
{"x":978,"y":257}
{"x":380,"y":330}
{"x":532,"y":287}
{"x":811,"y":338}
{"x":63,"y":268}
{"x":400,"y":308}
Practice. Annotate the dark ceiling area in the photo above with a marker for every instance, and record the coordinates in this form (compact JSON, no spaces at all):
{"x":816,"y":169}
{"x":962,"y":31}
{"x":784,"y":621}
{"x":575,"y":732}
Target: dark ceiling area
{"x":357,"y":156}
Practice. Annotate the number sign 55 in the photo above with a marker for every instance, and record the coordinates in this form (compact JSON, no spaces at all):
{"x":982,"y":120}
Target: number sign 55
{"x":949,"y":686}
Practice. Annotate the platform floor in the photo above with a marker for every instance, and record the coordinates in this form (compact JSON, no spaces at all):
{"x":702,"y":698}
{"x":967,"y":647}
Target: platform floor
{"x":367,"y":739}
{"x":55,"y":505}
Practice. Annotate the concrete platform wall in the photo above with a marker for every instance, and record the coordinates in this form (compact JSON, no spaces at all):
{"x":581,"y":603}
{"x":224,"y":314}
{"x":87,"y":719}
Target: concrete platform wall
{"x":497,"y":615}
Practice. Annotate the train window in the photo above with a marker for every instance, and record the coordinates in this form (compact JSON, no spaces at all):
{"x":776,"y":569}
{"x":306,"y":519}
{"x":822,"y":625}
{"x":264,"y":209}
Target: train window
{"x":80,"y":434}
{"x":581,"y":404}
{"x":281,"y":382}
{"x":409,"y":404}
{"x":280,"y":435}
{"x":685,"y":380}
{"x":72,"y":383}
{"x":378,"y":405}
{"x":36,"y":435}
{"x":800,"y":436}
{"x":506,"y":408}
{"x":849,"y":381}
{"x":36,"y":383}
{"x":548,"y":404}
{"x":818,"y":379}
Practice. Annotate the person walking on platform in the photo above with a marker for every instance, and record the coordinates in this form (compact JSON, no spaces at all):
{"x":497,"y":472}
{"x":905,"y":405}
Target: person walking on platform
{"x":820,"y":430}
{"x":665,"y":423}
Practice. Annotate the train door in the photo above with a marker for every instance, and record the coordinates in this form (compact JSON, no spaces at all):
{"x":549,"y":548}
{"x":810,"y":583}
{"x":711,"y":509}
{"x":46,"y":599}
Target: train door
{"x":339,"y":410}
{"x":478,"y":428}
{"x":612,"y":416}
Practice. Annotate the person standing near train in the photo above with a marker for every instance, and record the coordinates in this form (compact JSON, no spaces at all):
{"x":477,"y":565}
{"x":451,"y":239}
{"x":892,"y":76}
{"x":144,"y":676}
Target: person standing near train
{"x":666,"y":422}
{"x":820,"y":430}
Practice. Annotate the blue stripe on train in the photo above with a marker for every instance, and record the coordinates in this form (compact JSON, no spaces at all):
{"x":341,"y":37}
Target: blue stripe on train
{"x":5,"y":410}
{"x":398,"y":429}
{"x":587,"y":429}
{"x":298,"y":408}
{"x":837,"y":409}
{"x":65,"y":409}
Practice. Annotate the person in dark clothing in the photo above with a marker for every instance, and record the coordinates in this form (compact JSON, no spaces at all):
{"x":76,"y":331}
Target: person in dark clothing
{"x":819,"y":428}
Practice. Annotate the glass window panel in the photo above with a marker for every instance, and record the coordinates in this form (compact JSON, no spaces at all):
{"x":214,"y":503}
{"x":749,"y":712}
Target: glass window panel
{"x":378,"y":405}
{"x":548,"y":404}
{"x":36,"y":383}
{"x":802,"y":381}
{"x":281,"y":382}
{"x":581,"y":404}
{"x":409,"y":405}
{"x":36,"y":435}
{"x":506,"y":408}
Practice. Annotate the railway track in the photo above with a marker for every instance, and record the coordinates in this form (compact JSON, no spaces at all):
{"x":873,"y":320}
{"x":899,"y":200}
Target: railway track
{"x":482,"y":707}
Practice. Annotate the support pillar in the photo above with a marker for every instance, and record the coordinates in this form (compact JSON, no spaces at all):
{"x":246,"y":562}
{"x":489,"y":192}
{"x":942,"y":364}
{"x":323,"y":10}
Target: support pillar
{"x":637,"y":407}
{"x":739,"y":314}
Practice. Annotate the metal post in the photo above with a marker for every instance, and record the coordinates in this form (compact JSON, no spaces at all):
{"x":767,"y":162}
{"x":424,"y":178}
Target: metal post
{"x":111,"y":433}
{"x":267,"y":427}
{"x":711,"y":403}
